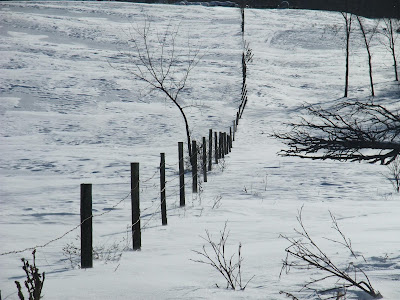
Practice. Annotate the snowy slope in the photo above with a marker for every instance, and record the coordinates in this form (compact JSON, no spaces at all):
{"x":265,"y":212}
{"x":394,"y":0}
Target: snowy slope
{"x":70,"y":115}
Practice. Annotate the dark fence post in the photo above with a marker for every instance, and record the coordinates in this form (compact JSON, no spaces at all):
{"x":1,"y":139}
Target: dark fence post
{"x":230,"y":138}
{"x":210,"y":137}
{"x":221,"y":145}
{"x":234,"y":130}
{"x":181,"y":175}
{"x":162,"y":190}
{"x":216,"y":147}
{"x":204,"y":159}
{"x":228,"y":146}
{"x":225,"y":143}
{"x":136,"y":234}
{"x":194,"y":167}
{"x":86,"y":226}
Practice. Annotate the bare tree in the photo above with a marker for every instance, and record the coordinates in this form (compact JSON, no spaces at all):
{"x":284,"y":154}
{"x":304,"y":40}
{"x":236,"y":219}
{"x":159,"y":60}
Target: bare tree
{"x":367,"y":41}
{"x":157,"y":61}
{"x":390,"y":34}
{"x":353,"y":131}
{"x":348,"y":18}
{"x":304,"y":253}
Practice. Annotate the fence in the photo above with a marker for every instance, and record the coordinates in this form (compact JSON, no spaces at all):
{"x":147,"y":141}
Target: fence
{"x":219,"y":145}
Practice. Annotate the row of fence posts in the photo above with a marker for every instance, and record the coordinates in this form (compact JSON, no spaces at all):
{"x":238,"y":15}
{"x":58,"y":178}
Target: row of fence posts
{"x":223,"y":143}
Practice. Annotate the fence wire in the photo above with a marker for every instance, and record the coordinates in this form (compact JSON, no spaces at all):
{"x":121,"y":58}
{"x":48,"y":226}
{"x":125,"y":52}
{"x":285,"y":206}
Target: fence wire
{"x":143,"y":185}
{"x":109,"y":210}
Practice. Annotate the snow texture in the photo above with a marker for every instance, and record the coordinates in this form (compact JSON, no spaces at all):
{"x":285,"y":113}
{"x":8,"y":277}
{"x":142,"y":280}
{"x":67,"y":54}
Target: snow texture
{"x":72,"y":113}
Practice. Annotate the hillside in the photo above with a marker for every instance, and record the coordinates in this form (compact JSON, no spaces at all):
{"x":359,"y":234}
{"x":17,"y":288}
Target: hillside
{"x":72,"y":113}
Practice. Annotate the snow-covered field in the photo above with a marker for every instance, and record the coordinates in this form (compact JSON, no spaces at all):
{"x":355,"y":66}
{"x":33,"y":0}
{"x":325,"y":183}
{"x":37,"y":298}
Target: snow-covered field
{"x":70,"y":115}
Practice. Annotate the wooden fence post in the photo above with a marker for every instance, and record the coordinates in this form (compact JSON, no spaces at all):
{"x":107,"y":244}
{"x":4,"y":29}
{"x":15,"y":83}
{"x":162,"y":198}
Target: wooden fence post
{"x":230,"y":138}
{"x":210,"y":137}
{"x":194,"y":167}
{"x":136,"y":234}
{"x":204,"y":159}
{"x":234,"y":130}
{"x":225,"y":143}
{"x":181,"y":175}
{"x":162,"y":190}
{"x":86,"y":226}
{"x":216,"y":147}
{"x":221,"y":145}
{"x":230,"y":143}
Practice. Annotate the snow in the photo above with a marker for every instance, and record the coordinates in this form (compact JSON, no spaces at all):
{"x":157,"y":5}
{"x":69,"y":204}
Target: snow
{"x":69,"y":115}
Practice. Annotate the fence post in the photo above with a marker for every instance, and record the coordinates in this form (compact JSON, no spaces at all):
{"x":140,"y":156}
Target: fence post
{"x":181,"y":175}
{"x":86,"y":226}
{"x":234,"y":130}
{"x":225,"y":143}
{"x":162,"y":190}
{"x":194,"y":167}
{"x":221,"y":145}
{"x":210,"y":149}
{"x":136,"y":234}
{"x":216,"y":147}
{"x":204,"y":159}
{"x":237,"y":118}
{"x":230,"y":138}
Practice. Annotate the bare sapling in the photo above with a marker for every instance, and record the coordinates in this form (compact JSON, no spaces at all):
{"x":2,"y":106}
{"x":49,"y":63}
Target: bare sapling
{"x":34,"y":280}
{"x":348,"y":18}
{"x":367,"y":36}
{"x":303,"y":253}
{"x":155,"y":58}
{"x":215,"y":254}
{"x":389,"y":32}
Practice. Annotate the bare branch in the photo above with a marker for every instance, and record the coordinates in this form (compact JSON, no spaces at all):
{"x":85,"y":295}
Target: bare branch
{"x":390,"y":35}
{"x":230,"y":268}
{"x":353,"y":131}
{"x":154,"y":59}
{"x":303,"y":253}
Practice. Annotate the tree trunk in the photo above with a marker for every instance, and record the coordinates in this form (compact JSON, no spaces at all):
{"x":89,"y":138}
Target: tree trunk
{"x":369,"y":56}
{"x":348,"y":31}
{"x":184,"y":118}
{"x":346,"y":87}
{"x":186,"y":126}
{"x":395,"y":63}
{"x":392,"y":47}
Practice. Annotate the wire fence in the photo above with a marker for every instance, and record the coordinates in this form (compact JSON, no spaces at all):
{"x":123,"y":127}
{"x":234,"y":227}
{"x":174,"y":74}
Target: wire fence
{"x":219,"y":145}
